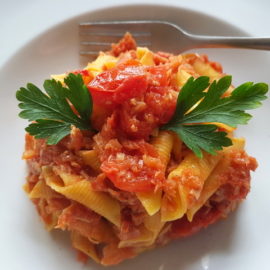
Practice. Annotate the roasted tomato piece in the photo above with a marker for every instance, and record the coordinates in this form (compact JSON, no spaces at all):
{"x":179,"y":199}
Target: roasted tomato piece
{"x":114,"y":86}
{"x":132,"y":166}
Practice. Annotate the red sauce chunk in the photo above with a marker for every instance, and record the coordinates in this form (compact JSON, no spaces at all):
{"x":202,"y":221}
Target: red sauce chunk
{"x":140,"y":116}
{"x":132,"y":165}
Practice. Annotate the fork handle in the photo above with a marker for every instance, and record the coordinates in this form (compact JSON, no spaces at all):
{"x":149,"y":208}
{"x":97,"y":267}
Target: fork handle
{"x":230,"y":42}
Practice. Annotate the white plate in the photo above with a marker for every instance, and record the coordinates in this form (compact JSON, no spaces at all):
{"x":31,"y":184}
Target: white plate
{"x":239,"y":242}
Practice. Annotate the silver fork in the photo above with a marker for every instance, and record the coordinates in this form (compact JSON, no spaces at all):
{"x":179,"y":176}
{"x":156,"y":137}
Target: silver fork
{"x":158,"y":36}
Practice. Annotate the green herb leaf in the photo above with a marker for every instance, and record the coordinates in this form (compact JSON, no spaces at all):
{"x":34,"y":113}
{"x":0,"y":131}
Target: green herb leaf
{"x":202,"y":137}
{"x":52,"y":111}
{"x":82,"y":99}
{"x":188,"y":98}
{"x":53,"y":130}
{"x":189,"y":120}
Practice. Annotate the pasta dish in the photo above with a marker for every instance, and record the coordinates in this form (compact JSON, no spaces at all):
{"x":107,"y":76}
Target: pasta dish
{"x":131,"y":183}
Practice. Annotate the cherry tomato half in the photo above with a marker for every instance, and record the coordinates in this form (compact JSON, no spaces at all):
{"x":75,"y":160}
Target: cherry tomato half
{"x":114,"y":86}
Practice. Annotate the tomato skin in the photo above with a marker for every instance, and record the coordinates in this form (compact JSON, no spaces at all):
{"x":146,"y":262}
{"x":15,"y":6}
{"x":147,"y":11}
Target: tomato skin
{"x":112,"y":87}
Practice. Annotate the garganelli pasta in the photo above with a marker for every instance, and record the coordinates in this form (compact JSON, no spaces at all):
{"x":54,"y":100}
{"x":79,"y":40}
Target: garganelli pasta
{"x":128,"y":186}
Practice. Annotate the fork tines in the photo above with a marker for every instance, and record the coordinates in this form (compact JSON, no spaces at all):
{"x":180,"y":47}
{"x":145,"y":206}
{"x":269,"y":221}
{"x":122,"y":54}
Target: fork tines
{"x":98,"y":36}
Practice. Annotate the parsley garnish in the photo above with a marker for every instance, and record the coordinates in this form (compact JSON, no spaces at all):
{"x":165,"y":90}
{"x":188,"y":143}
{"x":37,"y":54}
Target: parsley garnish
{"x":188,"y":121}
{"x":52,"y":112}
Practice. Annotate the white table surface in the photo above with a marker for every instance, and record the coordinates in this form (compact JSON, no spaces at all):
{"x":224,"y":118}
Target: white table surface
{"x":20,"y":21}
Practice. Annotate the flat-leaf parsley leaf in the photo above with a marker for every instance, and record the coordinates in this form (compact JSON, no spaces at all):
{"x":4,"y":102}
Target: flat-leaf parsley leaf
{"x":52,"y":112}
{"x":196,"y":107}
